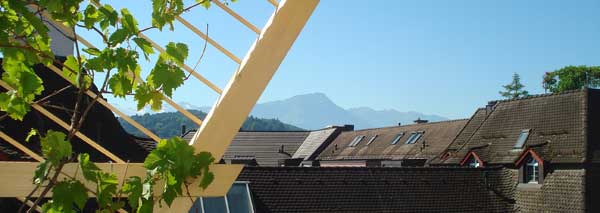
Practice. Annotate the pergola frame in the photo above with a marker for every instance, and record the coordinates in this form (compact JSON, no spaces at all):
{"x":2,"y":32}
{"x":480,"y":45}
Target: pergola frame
{"x":222,"y":122}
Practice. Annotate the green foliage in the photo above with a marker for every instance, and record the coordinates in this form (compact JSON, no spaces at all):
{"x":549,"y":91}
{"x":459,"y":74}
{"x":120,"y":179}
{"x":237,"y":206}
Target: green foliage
{"x":66,"y":194}
{"x":571,"y":78}
{"x":55,"y":147}
{"x":24,"y":42}
{"x":514,"y":89}
{"x":174,"y":160}
{"x":168,"y":124}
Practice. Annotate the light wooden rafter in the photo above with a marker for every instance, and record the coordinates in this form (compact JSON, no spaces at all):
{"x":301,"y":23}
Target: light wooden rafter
{"x":183,"y":111}
{"x":16,"y":177}
{"x":208,"y":39}
{"x":223,"y":121}
{"x":66,"y":126}
{"x":236,"y":16}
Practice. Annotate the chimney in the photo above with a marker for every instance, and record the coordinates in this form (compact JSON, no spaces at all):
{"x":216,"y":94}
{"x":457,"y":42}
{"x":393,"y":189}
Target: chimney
{"x":348,"y":127}
{"x":60,"y":44}
{"x":490,"y":106}
{"x":419,"y":121}
{"x":399,"y":124}
{"x":183,"y":130}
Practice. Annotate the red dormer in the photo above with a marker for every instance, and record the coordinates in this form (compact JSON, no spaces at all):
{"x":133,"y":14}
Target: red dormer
{"x":472,"y":160}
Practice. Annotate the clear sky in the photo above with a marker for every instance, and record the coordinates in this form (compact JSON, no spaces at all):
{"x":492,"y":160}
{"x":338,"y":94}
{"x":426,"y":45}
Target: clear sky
{"x":439,"y":57}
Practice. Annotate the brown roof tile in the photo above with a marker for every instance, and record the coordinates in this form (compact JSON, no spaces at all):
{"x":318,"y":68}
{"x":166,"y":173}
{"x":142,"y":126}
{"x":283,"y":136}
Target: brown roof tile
{"x":437,"y":136}
{"x":556,"y":123}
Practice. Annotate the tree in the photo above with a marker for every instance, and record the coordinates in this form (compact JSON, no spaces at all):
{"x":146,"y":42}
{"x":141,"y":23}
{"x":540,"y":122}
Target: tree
{"x":514,"y":89}
{"x":24,"y":42}
{"x":572,"y":78}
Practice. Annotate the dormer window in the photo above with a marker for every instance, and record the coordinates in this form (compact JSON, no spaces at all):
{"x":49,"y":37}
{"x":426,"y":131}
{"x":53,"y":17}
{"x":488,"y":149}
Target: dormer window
{"x":356,"y":141}
{"x":473,"y":163}
{"x":522,"y":138}
{"x":531,"y":168}
{"x":532,"y":171}
{"x":472,"y":160}
{"x":397,"y":138}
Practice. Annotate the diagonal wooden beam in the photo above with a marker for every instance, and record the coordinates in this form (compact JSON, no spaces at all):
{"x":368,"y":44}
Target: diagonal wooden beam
{"x":66,"y":126}
{"x":208,"y":39}
{"x":236,"y":16}
{"x":16,"y":177}
{"x":111,"y":107}
{"x":20,"y":146}
{"x":274,"y":3}
{"x":255,"y":72}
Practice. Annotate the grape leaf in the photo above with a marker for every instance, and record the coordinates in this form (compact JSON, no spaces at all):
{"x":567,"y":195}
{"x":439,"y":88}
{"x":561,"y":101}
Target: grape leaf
{"x":55,"y":147}
{"x":145,"y":46}
{"x":88,"y":168}
{"x":166,"y":76}
{"x":176,"y":52}
{"x":147,"y":95}
{"x":134,"y":188}
{"x":129,"y":22}
{"x":65,"y":194}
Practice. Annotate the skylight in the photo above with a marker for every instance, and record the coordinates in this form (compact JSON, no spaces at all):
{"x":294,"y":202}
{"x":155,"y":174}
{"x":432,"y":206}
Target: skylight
{"x":413,"y":137}
{"x":397,"y":138}
{"x":522,"y":138}
{"x":356,"y":140}
{"x":237,"y":200}
{"x":371,"y":140}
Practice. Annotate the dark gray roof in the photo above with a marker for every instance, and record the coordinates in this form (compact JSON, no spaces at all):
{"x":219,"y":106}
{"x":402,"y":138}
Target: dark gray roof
{"x":557,"y":124}
{"x":362,"y":189}
{"x":268,"y":148}
{"x":314,"y":142}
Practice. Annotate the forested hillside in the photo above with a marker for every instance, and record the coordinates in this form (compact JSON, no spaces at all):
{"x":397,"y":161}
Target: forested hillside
{"x":168,"y":124}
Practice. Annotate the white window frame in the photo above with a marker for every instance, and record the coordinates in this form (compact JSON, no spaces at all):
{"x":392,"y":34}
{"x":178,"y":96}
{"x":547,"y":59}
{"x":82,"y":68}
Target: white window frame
{"x":252,"y":210}
{"x":372,"y":139}
{"x":535,"y":175}
{"x":397,"y":138}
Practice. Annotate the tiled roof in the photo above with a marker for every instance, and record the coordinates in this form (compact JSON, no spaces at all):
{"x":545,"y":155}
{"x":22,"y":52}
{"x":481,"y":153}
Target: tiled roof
{"x":436,"y":138}
{"x":298,"y":189}
{"x":268,"y":148}
{"x":557,"y":124}
{"x":315,"y":142}
{"x":100,"y":124}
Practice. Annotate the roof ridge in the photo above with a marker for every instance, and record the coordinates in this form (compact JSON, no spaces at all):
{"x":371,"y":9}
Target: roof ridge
{"x":435,"y":122}
{"x":542,"y":95}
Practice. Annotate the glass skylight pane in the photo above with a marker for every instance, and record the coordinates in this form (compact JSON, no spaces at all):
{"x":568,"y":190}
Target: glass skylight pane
{"x":397,"y":138}
{"x":371,"y":140}
{"x":522,"y":138}
{"x":214,"y":205}
{"x":411,"y":138}
{"x":238,"y":199}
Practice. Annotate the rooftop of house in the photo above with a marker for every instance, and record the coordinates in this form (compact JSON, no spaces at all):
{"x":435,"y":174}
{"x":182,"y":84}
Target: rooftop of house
{"x":301,"y":189}
{"x":555,"y":126}
{"x":415,"y":141}
{"x":267,"y":148}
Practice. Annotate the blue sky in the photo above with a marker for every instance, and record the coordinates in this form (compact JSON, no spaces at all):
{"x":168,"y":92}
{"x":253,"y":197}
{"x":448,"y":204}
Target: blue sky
{"x":439,"y":57}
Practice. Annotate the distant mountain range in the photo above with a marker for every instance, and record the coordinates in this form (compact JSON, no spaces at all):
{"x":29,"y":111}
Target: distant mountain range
{"x":169,"y":124}
{"x":316,"y":110}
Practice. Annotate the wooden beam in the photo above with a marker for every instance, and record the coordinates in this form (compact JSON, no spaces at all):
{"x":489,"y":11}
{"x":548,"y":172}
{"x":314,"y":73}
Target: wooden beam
{"x":274,"y":3}
{"x":112,"y":108}
{"x":185,"y":67}
{"x":16,"y":177}
{"x":67,"y":127}
{"x":247,"y":84}
{"x":236,"y":16}
{"x":20,"y":146}
{"x":183,"y":111}
{"x":30,"y":204}
{"x":208,"y":39}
